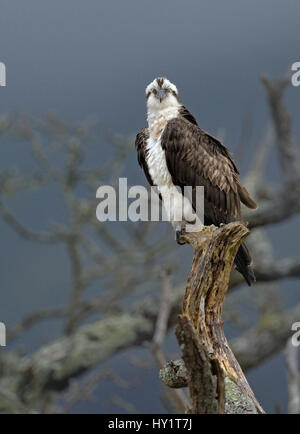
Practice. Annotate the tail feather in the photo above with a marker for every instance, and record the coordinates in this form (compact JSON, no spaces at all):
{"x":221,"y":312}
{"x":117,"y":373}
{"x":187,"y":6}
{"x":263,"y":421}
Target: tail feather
{"x":242,"y":262}
{"x":245,"y":197}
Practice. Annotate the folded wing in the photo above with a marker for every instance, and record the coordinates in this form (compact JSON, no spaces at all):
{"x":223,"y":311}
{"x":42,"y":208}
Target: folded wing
{"x":195,"y":158}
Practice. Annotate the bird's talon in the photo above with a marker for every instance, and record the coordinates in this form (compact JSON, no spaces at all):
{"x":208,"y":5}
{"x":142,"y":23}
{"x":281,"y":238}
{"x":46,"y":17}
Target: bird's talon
{"x":179,"y":234}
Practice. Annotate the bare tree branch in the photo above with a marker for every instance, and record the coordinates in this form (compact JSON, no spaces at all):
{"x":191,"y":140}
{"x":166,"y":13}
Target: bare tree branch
{"x":293,"y":377}
{"x":264,"y":340}
{"x":40,"y":237}
{"x":289,"y":155}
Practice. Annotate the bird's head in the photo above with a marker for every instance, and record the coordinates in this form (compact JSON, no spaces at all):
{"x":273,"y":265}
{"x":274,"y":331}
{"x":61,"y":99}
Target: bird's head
{"x":161,"y":93}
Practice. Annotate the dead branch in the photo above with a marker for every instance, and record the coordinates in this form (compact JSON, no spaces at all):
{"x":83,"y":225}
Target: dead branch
{"x":205,"y":377}
{"x":293,"y":377}
{"x":283,"y":204}
{"x":164,"y":311}
{"x":176,"y":398}
{"x":206,"y":353}
{"x":27,"y":233}
{"x":289,"y":155}
{"x":53,"y":365}
{"x":271,"y":271}
{"x":265,"y":339}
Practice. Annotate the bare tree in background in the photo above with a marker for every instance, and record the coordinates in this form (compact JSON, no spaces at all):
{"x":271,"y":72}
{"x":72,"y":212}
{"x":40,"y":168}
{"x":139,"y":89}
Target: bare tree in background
{"x":125,"y":260}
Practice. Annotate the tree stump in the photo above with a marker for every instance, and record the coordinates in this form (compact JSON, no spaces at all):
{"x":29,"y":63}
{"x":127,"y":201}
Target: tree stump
{"x":215,"y":379}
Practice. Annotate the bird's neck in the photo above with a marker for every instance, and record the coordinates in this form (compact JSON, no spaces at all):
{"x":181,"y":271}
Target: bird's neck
{"x":158,"y":115}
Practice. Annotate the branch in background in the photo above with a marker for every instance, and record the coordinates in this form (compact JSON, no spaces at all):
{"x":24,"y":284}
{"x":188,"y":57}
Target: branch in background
{"x":279,"y":270}
{"x":40,"y":237}
{"x":164,"y":311}
{"x":289,"y":155}
{"x":267,"y":271}
{"x":293,"y":377}
{"x":285,"y":203}
{"x":281,"y":206}
{"x":52,"y":367}
{"x":83,"y":391}
{"x":27,"y":380}
{"x":176,"y":399}
{"x":265,"y":339}
{"x":31,"y":320}
{"x":271,"y":271}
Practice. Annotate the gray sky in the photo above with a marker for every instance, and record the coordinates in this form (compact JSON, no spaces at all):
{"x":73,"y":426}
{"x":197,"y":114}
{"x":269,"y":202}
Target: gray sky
{"x":79,"y":58}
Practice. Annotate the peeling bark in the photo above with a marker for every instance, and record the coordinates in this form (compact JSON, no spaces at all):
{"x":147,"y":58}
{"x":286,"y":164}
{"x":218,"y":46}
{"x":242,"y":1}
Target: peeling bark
{"x":206,"y":353}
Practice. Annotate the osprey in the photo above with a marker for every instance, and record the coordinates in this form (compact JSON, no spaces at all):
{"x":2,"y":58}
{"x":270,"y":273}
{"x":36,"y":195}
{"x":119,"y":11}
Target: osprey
{"x":174,"y":151}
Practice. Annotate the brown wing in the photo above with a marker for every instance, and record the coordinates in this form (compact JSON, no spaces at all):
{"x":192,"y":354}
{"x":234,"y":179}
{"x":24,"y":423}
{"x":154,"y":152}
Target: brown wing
{"x":195,"y":158}
{"x":183,"y":111}
{"x":140,"y":144}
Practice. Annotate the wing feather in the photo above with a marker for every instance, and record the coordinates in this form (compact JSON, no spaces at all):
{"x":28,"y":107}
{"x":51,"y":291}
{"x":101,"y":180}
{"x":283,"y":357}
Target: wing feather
{"x":196,"y":158}
{"x":140,"y":144}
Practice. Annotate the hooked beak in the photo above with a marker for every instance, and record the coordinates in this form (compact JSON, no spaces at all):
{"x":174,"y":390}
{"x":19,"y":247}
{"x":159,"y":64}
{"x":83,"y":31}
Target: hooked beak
{"x":161,"y":94}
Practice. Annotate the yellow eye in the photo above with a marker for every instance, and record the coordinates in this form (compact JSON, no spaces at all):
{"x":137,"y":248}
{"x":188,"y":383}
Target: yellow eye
{"x":170,"y":90}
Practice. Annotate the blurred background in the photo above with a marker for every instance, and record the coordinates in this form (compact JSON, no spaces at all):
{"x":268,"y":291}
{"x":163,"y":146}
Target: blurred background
{"x":74,"y":291}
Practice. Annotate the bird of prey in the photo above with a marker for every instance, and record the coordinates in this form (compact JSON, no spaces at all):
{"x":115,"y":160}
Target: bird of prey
{"x":174,"y":151}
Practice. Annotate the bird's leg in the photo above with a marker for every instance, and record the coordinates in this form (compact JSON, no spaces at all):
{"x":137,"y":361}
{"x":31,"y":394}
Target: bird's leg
{"x":179,"y":231}
{"x":179,"y":234}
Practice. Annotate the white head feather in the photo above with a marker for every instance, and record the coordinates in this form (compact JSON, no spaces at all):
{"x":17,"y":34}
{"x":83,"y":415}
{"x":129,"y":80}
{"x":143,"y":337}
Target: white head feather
{"x":166,"y":85}
{"x":171,"y":94}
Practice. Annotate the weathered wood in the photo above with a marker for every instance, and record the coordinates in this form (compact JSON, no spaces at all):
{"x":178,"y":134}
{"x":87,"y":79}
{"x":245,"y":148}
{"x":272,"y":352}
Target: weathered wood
{"x":205,"y":376}
{"x":200,"y":331}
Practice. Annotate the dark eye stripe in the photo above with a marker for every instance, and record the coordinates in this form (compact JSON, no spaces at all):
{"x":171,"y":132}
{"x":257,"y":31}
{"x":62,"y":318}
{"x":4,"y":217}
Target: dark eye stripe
{"x":154,"y":91}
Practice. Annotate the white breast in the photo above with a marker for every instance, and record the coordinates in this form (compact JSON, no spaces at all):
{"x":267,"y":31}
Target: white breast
{"x":176,"y":206}
{"x":158,"y":119}
{"x":158,"y":169}
{"x":156,"y":159}
{"x":157,"y":165}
